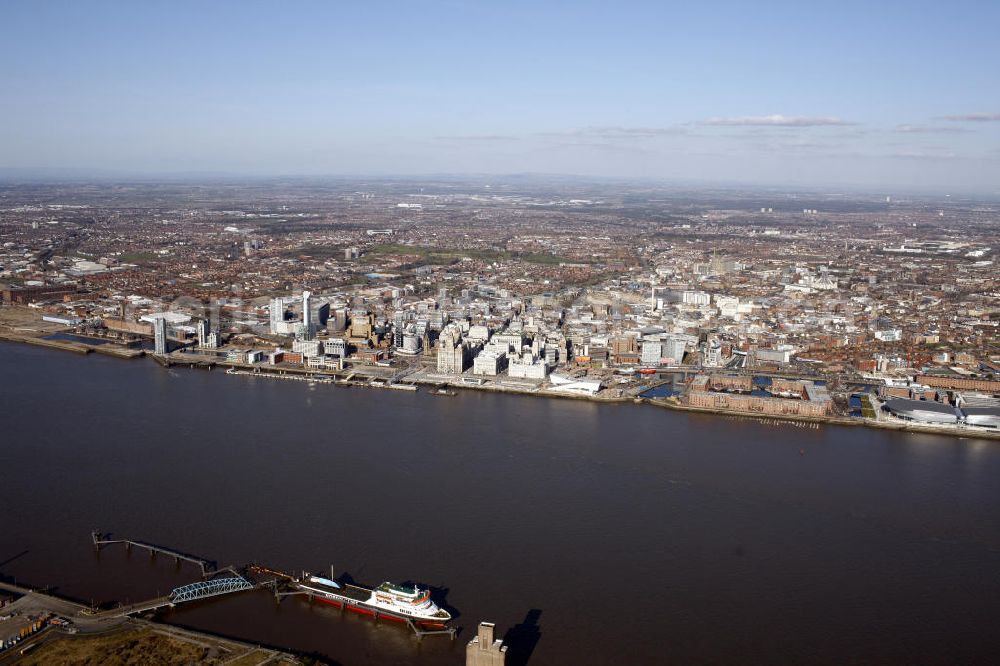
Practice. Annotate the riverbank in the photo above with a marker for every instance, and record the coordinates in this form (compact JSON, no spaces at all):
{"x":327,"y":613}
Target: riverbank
{"x":961,"y":432}
{"x":39,"y":339}
{"x":437,"y":381}
{"x":81,"y":636}
{"x":344,"y":378}
{"x":150,"y":644}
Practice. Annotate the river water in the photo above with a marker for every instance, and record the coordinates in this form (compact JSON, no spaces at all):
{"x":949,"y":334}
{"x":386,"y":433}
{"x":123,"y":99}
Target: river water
{"x":591,"y":534}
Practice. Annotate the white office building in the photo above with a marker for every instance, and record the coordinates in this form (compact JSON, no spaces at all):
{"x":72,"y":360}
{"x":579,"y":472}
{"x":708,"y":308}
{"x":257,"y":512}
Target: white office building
{"x":278,"y":324}
{"x":674,"y":349}
{"x":696,"y":298}
{"x":490,"y":361}
{"x":335,"y":347}
{"x":651,"y":352}
{"x":308,"y":348}
{"x":527,"y":366}
{"x":478,"y":333}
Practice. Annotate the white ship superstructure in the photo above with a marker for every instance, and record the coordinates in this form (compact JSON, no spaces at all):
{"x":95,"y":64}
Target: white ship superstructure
{"x":388,"y":600}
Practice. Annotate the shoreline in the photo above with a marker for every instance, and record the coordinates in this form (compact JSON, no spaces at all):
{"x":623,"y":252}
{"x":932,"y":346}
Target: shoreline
{"x":71,"y":345}
{"x":917,"y":428}
{"x":339,"y":379}
{"x":91,"y":625}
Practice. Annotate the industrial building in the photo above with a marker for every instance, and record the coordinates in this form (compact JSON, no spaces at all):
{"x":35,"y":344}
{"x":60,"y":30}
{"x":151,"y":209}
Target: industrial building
{"x":172,"y":318}
{"x":961,"y":383}
{"x":984,"y":417}
{"x":737,"y":392}
{"x":922,"y":411}
{"x":34,"y":294}
{"x":63,"y":320}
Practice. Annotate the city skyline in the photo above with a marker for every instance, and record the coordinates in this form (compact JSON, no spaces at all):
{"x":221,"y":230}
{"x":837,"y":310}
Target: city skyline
{"x":896,"y":96}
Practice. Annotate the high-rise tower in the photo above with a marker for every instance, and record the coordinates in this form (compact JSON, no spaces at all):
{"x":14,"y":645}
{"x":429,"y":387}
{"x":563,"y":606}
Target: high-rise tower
{"x":204,"y":330}
{"x":160,"y":336}
{"x":308,"y":328}
{"x":277,"y":316}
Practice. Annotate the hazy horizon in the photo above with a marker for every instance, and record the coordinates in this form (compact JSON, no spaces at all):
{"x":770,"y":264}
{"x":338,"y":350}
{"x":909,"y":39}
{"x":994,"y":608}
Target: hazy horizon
{"x":50,"y":177}
{"x":896,"y":96}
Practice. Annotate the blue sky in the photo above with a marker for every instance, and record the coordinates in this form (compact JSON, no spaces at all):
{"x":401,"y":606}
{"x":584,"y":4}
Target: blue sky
{"x":894,"y":94}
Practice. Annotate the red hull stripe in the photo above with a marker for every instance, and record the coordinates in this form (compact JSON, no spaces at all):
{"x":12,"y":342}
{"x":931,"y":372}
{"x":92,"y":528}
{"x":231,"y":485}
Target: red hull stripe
{"x":391,"y":617}
{"x":361,"y":611}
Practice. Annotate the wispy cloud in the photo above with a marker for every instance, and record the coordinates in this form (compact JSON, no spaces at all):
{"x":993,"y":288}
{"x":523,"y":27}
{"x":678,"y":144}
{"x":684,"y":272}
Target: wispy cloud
{"x":776,"y":120}
{"x":478,"y":137}
{"x":974,"y":117}
{"x":922,"y":155}
{"x":612,"y":148}
{"x":929,"y":129}
{"x":755,"y":133}
{"x":791,"y":146}
{"x":618,"y":132}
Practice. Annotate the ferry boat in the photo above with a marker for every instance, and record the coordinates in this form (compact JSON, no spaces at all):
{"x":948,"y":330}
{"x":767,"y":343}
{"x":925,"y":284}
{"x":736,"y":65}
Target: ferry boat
{"x":388,"y":600}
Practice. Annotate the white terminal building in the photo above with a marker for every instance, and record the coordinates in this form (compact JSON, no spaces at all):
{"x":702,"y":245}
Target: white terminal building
{"x":576,"y":386}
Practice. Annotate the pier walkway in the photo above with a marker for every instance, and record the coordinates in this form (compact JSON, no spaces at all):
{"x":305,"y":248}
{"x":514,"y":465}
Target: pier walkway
{"x":193,"y":592}
{"x":207,"y":566}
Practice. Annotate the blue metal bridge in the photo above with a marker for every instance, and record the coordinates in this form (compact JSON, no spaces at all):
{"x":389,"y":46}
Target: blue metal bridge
{"x":185,"y":593}
{"x":209,"y":588}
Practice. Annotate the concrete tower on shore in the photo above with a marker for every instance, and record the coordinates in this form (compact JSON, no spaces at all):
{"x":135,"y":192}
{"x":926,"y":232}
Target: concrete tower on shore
{"x":484,"y":649}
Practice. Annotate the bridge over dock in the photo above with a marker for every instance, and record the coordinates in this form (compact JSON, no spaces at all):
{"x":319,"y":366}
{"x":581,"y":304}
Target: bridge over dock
{"x":193,"y":592}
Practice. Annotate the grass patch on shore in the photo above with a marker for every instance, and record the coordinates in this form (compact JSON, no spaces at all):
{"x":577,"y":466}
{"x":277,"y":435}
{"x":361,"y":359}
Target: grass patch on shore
{"x":129,"y":646}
